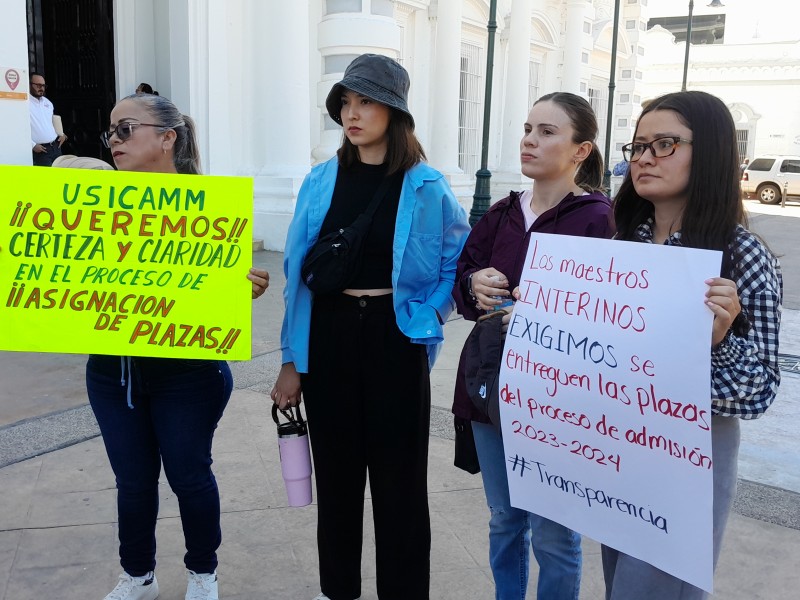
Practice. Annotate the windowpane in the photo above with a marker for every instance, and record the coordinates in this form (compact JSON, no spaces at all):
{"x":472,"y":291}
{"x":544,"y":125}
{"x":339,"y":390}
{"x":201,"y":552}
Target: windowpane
{"x":761,"y":164}
{"x":343,"y":6}
{"x":469,"y":105}
{"x":534,"y":69}
{"x":384,"y":8}
{"x":741,"y":142}
{"x":337,"y":63}
{"x":790,"y":166}
{"x":598,"y":100}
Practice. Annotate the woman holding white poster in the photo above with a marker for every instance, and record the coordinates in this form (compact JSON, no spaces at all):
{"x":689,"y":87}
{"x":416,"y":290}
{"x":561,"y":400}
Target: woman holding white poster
{"x":682,"y":189}
{"x":559,"y":154}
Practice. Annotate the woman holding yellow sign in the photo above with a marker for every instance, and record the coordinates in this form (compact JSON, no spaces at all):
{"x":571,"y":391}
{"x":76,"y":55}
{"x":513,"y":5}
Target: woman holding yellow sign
{"x":154,"y":410}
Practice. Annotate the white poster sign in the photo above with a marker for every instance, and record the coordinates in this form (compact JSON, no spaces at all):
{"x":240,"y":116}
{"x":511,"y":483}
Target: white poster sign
{"x":605,"y":397}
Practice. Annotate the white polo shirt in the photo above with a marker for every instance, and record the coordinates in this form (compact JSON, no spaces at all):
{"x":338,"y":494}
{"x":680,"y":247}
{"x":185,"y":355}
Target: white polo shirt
{"x":42,"y":130}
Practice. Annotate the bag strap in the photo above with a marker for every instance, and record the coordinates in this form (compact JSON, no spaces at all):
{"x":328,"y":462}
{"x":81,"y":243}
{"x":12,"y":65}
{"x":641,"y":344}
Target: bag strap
{"x":380,"y":194}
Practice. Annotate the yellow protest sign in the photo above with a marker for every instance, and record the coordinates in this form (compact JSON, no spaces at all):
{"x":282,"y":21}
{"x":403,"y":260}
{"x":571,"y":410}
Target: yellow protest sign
{"x":121,"y":263}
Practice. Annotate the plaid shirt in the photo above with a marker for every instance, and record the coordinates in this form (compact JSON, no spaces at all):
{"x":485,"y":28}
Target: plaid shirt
{"x":744,"y":370}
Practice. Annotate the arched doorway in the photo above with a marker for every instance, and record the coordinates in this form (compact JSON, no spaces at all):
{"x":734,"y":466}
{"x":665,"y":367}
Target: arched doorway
{"x":746,"y":120}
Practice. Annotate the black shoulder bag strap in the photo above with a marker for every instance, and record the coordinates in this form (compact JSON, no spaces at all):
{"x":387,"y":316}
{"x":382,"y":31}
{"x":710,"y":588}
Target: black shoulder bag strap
{"x":372,"y":207}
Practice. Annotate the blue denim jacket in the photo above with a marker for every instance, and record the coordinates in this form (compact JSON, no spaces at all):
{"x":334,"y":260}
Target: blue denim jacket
{"x":430,"y":231}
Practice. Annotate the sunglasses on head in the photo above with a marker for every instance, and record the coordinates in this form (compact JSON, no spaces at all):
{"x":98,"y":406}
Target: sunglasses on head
{"x":124,"y":130}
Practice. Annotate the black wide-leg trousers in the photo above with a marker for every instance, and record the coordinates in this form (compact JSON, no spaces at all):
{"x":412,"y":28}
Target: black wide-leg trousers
{"x":367,"y":396}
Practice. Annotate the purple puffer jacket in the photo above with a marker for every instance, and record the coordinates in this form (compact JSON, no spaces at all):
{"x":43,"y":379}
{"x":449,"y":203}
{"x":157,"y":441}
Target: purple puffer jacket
{"x":500,"y":240}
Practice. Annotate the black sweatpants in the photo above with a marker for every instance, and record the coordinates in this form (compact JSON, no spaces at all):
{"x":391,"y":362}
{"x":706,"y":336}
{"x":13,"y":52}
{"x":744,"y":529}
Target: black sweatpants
{"x":367,"y":396}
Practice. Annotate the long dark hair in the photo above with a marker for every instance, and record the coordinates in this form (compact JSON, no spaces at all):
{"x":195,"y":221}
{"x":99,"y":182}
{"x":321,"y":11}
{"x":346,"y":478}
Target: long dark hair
{"x":714,"y":206}
{"x":403,"y":149}
{"x":590,"y":172}
{"x":185,"y":152}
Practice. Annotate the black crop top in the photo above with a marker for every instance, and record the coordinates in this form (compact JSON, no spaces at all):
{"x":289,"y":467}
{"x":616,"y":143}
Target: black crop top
{"x":354,"y":189}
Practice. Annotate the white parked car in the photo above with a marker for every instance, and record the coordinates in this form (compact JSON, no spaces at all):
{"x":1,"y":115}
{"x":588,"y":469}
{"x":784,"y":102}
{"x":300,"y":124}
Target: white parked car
{"x":766,"y":177}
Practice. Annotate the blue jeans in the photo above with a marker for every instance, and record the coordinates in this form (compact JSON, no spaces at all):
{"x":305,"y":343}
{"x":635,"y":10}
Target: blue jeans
{"x":176,"y":405}
{"x":512,"y":531}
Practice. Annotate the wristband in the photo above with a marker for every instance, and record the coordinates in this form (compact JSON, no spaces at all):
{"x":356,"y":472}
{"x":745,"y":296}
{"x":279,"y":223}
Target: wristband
{"x":469,"y":287}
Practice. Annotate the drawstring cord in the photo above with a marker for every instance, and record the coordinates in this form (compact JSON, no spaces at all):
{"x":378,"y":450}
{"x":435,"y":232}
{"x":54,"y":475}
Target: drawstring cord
{"x":122,"y":362}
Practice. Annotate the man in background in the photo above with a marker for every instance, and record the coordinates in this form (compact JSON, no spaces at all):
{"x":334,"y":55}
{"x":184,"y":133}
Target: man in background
{"x":45,"y":140}
{"x":744,"y":166}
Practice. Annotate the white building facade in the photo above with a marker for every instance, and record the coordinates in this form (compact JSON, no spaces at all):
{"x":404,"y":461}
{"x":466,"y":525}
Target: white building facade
{"x":255,"y":73}
{"x":754,"y":67}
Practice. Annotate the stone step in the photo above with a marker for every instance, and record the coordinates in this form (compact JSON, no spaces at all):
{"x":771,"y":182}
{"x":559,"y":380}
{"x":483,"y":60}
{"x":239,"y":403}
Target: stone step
{"x":258,"y":245}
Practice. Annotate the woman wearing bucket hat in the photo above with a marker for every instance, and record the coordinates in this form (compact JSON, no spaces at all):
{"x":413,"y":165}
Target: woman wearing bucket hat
{"x":362,"y":354}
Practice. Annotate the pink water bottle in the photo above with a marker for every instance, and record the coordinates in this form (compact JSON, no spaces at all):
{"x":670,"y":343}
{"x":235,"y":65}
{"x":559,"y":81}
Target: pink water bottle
{"x":295,"y":456}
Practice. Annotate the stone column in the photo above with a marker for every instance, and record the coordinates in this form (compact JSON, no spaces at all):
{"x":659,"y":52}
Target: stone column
{"x":445,"y":88}
{"x":212,"y":91}
{"x":180,"y":34}
{"x":516,"y":108}
{"x":573,"y":45}
{"x":276,"y":91}
{"x":281,"y":34}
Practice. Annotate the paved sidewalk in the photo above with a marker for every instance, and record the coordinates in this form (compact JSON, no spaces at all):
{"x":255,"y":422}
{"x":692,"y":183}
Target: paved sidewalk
{"x":58,"y":518}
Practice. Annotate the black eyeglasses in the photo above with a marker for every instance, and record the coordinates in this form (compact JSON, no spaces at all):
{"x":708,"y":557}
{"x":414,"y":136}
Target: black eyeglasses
{"x":660,"y":148}
{"x":124,"y":131}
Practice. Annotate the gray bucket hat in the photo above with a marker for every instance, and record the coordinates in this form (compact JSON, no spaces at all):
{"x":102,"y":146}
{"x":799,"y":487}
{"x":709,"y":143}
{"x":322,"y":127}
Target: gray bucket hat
{"x":375,"y":76}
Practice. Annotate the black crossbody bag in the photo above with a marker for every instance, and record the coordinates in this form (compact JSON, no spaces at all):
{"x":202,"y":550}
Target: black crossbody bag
{"x":334,"y":261}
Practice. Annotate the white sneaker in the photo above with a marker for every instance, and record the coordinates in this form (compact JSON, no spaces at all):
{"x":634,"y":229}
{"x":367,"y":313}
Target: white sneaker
{"x":135,"y":588}
{"x":202,"y":586}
